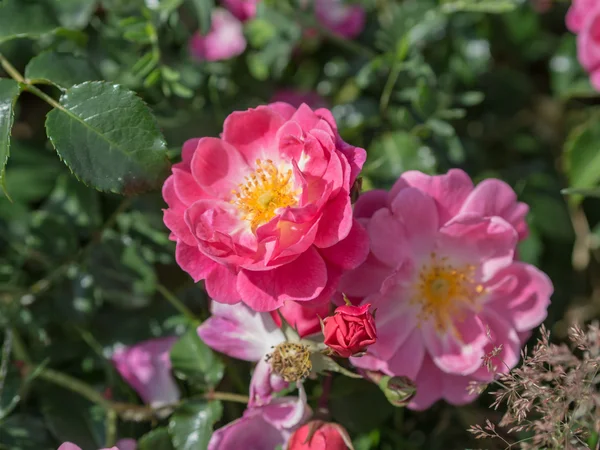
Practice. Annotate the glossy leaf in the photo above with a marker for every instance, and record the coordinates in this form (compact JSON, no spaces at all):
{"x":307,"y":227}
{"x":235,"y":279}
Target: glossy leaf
{"x":157,"y":439}
{"x":61,"y":69}
{"x":74,"y":14}
{"x":9,"y":92}
{"x":582,"y":156}
{"x":109,"y":138}
{"x":194,"y":361}
{"x":19,"y":18}
{"x":191,"y":426}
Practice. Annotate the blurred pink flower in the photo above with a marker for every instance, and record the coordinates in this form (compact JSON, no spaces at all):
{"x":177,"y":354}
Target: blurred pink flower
{"x":225,"y":39}
{"x":346,"y":21}
{"x":296,"y":98}
{"x":123,"y":444}
{"x":303,"y":316}
{"x":579,"y":12}
{"x":146,"y":367}
{"x":264,"y":427}
{"x":263,"y":214}
{"x":441,"y":273}
{"x":242,"y":9}
{"x":241,"y":333}
{"x":583,"y":18}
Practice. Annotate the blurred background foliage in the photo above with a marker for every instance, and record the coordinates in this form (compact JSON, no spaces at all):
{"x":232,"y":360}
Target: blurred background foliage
{"x":490,"y":86}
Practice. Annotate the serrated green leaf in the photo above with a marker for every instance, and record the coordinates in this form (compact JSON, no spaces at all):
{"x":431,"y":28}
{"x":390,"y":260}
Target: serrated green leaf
{"x":157,"y":439}
{"x":9,"y":92}
{"x":74,"y":14}
{"x":194,"y":361}
{"x":109,"y":138}
{"x":191,"y":426}
{"x":204,"y":10}
{"x":20,"y":18}
{"x":582,"y":156}
{"x":61,"y":69}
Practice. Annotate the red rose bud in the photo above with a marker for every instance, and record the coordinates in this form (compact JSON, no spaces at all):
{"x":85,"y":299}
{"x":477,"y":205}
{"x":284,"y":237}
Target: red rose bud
{"x":350,"y":330}
{"x":319,"y":435}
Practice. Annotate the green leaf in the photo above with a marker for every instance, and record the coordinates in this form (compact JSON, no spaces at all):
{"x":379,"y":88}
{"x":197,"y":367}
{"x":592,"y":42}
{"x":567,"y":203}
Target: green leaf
{"x":9,"y":92}
{"x":191,"y":426}
{"x":193,"y":360}
{"x":582,"y":156}
{"x":204,"y":10}
{"x":71,"y":199}
{"x":109,"y":138}
{"x":358,"y":405}
{"x":22,"y":432}
{"x":120,"y":273}
{"x":21,"y":18}
{"x":157,"y":439}
{"x":68,"y":416}
{"x":61,"y":69}
{"x":74,"y":14}
{"x":485,"y":6}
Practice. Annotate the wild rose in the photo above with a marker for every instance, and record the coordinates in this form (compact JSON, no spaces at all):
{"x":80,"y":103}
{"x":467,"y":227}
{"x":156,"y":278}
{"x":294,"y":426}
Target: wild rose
{"x":445,"y":283}
{"x":583,"y":18}
{"x":319,"y":435}
{"x":350,"y":330}
{"x":263,"y":214}
{"x":241,"y":333}
{"x":579,"y":12}
{"x":264,"y":427}
{"x":304,"y":317}
{"x":242,"y":9}
{"x":225,"y":39}
{"x":147,"y":369}
{"x":123,"y":444}
{"x":346,"y":21}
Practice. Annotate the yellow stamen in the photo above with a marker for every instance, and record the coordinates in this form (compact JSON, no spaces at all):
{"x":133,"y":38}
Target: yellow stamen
{"x":266,"y":190}
{"x":445,"y":291}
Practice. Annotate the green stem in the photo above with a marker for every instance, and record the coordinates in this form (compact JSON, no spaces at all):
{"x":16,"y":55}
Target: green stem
{"x":111,"y":427}
{"x":74,"y":385}
{"x":227,"y":397}
{"x":177,"y":304}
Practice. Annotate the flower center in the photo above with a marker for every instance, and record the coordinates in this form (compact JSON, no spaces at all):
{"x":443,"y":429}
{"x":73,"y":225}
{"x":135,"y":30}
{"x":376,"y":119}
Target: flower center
{"x":444,"y":291}
{"x":291,"y":361}
{"x":266,"y":190}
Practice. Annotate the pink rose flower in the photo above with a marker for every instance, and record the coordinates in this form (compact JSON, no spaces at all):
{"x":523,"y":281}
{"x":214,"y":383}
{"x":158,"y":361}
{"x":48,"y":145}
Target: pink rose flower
{"x":319,"y":435}
{"x":441,"y":273}
{"x":350,"y":330}
{"x":123,"y":444}
{"x":242,"y":9}
{"x":242,"y":333}
{"x":304,"y":317}
{"x":263,"y":214}
{"x":579,"y":12}
{"x":225,"y":39}
{"x":264,"y":427}
{"x":588,"y":46}
{"x":296,"y":98}
{"x":146,"y":367}
{"x":347,"y":21}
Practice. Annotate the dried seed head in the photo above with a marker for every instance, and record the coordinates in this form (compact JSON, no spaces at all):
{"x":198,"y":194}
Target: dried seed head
{"x":291,"y":361}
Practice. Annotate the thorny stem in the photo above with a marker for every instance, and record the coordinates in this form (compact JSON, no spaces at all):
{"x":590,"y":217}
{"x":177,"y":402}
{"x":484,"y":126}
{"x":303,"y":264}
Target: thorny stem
{"x":323,"y":407}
